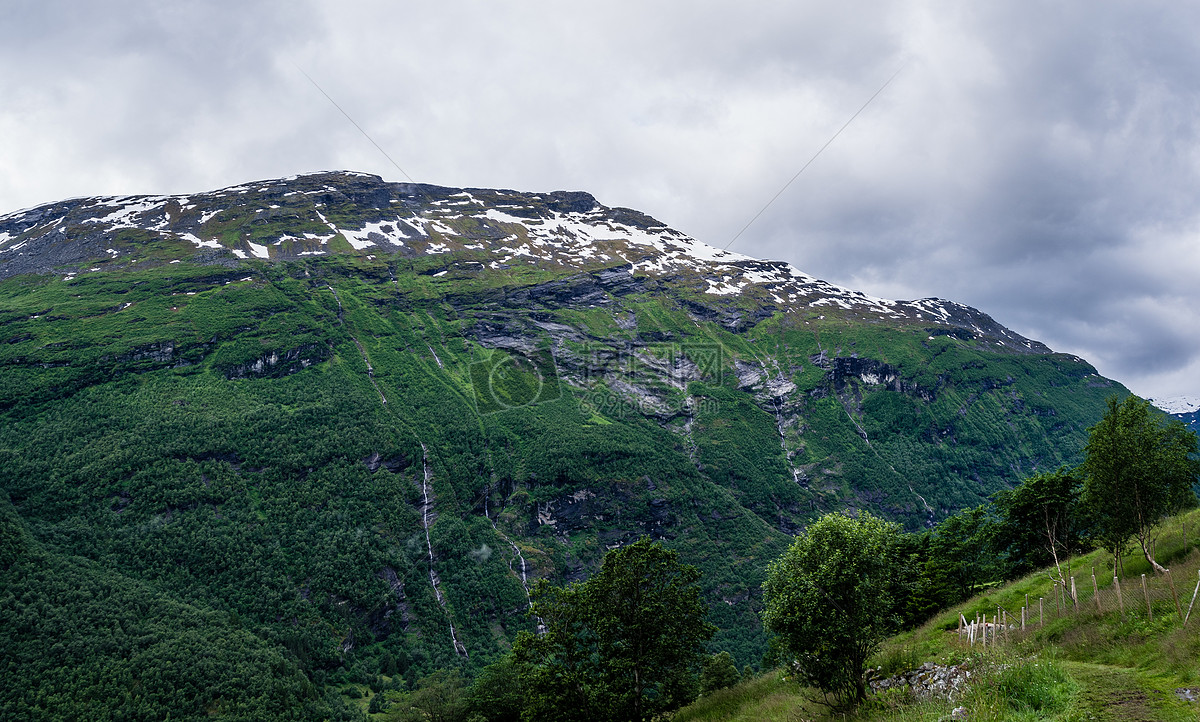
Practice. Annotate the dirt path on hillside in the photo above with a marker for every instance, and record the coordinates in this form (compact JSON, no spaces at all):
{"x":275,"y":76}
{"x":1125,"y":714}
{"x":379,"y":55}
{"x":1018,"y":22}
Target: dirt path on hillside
{"x":1121,"y":694}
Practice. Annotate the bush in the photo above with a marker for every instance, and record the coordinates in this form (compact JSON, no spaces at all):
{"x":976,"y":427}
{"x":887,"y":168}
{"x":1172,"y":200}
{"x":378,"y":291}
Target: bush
{"x":833,"y":597}
{"x":719,"y":672}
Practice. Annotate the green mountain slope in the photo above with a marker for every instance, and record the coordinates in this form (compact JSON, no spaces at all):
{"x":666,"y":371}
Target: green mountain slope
{"x":361,"y":418}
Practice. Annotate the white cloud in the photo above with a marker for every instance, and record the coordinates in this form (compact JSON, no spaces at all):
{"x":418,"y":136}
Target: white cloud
{"x":1037,"y":161}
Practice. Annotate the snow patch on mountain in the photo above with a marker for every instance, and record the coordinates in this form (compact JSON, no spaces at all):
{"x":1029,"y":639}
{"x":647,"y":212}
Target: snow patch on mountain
{"x":199,"y":243}
{"x":1178,"y":404}
{"x":371,"y":233}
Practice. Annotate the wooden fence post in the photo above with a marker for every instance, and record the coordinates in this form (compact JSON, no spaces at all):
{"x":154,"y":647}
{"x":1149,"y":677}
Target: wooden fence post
{"x":1120,"y":599}
{"x":1174,"y":594}
{"x":1023,"y":616}
{"x":1096,"y":592}
{"x":1189,"y":611}
{"x":1074,"y":597}
{"x":1041,"y":613}
{"x":1006,"y":637}
{"x":1146,"y":594}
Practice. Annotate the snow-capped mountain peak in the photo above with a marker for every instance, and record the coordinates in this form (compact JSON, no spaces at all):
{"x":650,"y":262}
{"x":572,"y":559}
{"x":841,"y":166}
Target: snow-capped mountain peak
{"x":478,"y":231}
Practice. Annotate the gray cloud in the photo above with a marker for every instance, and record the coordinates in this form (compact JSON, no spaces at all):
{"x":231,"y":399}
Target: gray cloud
{"x":1039,"y":162}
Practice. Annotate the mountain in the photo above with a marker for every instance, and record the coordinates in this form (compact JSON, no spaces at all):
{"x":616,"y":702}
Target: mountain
{"x":1184,"y":408}
{"x":344,"y":425}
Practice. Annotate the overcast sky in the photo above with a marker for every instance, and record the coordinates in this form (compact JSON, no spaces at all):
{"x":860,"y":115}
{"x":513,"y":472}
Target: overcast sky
{"x":1039,"y":161}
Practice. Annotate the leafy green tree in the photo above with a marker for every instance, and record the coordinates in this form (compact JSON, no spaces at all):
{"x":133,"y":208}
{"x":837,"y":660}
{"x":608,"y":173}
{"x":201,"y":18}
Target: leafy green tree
{"x":949,"y":562}
{"x":13,"y":537}
{"x":620,"y":646}
{"x":719,"y":672}
{"x":557,"y":665}
{"x":498,"y":694}
{"x":965,"y":544}
{"x":833,"y":597}
{"x":1040,"y":523}
{"x":398,"y":707}
{"x":441,"y":697}
{"x":932,"y":588}
{"x":1140,"y":466}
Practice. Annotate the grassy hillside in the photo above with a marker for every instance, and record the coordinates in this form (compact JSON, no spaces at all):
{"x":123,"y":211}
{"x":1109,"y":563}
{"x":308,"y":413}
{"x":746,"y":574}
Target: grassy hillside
{"x":1069,"y":664}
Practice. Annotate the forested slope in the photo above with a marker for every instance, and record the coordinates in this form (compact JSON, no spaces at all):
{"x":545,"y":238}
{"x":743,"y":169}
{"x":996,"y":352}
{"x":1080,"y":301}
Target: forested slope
{"x":351,"y":454}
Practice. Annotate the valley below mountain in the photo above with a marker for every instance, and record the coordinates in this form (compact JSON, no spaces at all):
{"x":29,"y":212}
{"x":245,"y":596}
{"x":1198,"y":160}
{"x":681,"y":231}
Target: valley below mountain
{"x":339,"y":427}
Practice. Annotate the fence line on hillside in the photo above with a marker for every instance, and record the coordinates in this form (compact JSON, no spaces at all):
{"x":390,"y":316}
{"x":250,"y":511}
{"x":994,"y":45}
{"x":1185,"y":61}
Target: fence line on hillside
{"x":1083,"y":595}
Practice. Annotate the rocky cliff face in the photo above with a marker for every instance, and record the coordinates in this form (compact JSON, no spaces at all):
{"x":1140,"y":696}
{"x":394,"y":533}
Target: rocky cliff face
{"x":573,"y":376}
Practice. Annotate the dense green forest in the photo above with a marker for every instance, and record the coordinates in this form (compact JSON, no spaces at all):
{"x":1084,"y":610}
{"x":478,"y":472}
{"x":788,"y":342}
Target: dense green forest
{"x":348,"y":471}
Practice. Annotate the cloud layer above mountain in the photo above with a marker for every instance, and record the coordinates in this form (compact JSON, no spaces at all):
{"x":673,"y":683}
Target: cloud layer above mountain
{"x":1040,"y":162}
